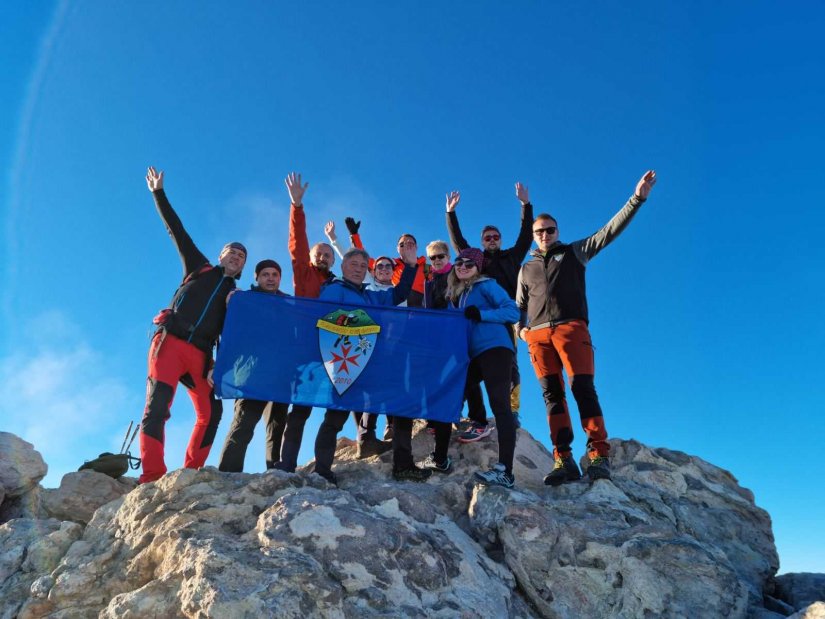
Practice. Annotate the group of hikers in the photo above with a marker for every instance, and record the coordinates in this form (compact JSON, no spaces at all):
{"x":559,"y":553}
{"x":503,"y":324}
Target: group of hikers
{"x":541,"y":301}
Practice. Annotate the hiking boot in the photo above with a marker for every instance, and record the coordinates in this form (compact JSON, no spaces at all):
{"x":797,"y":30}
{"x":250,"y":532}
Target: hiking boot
{"x":476,"y":432}
{"x":442,"y":467}
{"x":496,"y":476}
{"x":329,"y":476}
{"x":412,"y":474}
{"x":599,"y":468}
{"x":565,"y":469}
{"x":371,"y":447}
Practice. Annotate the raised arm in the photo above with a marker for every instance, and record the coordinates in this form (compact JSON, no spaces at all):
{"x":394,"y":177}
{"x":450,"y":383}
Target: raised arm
{"x":587,"y":248}
{"x":329,"y":231}
{"x":191,"y":257}
{"x":355,"y":238}
{"x":298,"y":242}
{"x":525,"y":234}
{"x":456,"y":239}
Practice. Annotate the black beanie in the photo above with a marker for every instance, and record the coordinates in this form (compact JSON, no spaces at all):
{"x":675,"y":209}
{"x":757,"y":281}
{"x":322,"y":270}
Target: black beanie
{"x":265,"y":264}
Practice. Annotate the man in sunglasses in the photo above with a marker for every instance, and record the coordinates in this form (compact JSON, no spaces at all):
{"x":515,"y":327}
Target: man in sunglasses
{"x":503,"y":266}
{"x":551,"y":292}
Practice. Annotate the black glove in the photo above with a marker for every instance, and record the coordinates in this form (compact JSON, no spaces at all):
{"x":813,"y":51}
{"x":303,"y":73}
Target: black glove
{"x":473,"y":313}
{"x":352,"y":225}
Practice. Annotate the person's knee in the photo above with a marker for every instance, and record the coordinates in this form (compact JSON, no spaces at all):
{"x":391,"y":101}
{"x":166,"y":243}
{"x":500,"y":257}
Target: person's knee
{"x":583,"y":388}
{"x":552,"y":388}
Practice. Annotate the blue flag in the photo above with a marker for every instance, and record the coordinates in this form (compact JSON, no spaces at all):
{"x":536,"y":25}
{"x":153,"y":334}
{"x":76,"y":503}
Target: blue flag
{"x":376,"y":359}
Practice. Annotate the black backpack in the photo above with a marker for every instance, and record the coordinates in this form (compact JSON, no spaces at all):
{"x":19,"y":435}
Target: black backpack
{"x":115,"y":465}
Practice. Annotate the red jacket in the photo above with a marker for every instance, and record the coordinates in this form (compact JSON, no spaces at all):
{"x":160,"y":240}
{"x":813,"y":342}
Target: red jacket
{"x":306,"y":279}
{"x":398,"y":267}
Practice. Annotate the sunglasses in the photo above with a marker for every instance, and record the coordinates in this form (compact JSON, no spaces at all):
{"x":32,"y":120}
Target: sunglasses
{"x":547,"y":230}
{"x":438,"y":256}
{"x":492,"y":237}
{"x":464,"y":263}
{"x":383,"y":265}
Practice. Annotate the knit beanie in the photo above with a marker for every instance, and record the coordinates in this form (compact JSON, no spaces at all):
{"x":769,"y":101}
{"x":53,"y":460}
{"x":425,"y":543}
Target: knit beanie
{"x":474,"y":254}
{"x":266,"y":264}
{"x":234,"y":245}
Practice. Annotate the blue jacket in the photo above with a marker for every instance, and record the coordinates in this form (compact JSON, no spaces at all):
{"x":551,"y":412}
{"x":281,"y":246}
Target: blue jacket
{"x":498,"y":313}
{"x":343,"y":291}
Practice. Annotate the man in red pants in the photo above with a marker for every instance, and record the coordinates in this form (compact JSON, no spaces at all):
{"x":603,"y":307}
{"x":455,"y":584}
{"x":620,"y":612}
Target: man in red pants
{"x":551,"y":291}
{"x":181,"y":349}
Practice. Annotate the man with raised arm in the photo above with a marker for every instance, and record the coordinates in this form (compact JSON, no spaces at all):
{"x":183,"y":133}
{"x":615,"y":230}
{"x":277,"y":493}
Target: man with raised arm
{"x":311,"y":269}
{"x":503,"y":266}
{"x":551,"y":292}
{"x":181,"y":349}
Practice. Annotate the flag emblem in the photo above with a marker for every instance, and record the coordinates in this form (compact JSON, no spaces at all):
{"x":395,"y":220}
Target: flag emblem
{"x":346,"y":339}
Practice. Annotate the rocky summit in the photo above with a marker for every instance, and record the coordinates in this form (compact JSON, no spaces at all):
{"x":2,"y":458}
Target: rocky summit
{"x":669,"y":536}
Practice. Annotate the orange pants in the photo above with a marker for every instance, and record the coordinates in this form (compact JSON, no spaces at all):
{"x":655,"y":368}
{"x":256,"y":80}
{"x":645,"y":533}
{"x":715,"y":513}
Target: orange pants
{"x":568,"y":347}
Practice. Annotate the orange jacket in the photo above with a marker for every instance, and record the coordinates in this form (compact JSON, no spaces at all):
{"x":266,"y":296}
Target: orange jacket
{"x":306,"y":279}
{"x":398,"y":267}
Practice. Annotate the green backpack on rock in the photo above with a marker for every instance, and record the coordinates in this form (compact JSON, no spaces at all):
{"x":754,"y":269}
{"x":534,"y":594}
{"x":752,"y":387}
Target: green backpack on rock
{"x":115,"y":465}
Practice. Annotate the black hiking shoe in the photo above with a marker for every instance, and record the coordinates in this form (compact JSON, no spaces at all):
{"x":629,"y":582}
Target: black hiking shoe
{"x":329,"y":476}
{"x":599,"y":468}
{"x":441,"y":467}
{"x":564,"y":469}
{"x":371,"y":446}
{"x":496,"y":476}
{"x":412,"y":474}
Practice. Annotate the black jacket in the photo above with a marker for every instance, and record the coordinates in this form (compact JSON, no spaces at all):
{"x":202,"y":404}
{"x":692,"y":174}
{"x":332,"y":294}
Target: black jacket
{"x":502,"y":265}
{"x":551,"y":286}
{"x":198,"y":307}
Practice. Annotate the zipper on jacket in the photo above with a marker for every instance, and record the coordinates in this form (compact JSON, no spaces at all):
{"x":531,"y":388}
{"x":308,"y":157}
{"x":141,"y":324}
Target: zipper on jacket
{"x":205,"y":309}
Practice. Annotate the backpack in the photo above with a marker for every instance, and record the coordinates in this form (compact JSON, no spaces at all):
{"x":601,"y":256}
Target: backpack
{"x":113,"y":465}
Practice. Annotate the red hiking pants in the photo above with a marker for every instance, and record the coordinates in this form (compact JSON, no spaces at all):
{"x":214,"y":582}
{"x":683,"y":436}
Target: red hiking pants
{"x":172,"y":360}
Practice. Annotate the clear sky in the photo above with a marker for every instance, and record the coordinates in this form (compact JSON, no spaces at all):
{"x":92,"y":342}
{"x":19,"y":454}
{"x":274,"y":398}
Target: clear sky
{"x":705,"y":313}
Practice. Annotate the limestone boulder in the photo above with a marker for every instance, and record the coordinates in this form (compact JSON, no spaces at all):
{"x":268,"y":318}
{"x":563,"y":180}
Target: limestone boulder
{"x":81,"y":493}
{"x":21,"y":467}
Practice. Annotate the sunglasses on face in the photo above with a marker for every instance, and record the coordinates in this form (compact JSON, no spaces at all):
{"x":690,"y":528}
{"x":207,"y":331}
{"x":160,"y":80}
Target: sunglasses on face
{"x":438,"y":256}
{"x":547,"y":230}
{"x":383,"y":265}
{"x":467,"y":264}
{"x":491,"y":237}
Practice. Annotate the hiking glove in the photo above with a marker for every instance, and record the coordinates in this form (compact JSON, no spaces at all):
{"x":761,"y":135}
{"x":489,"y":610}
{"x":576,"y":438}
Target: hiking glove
{"x":352,"y":225}
{"x":473,"y":313}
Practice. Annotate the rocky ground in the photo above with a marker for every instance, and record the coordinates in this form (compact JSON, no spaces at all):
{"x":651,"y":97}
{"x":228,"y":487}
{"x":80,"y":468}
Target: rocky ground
{"x":669,"y":536}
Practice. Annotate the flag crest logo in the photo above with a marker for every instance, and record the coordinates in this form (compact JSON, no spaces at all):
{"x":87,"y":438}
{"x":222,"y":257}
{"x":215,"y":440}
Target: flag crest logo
{"x":346,"y":339}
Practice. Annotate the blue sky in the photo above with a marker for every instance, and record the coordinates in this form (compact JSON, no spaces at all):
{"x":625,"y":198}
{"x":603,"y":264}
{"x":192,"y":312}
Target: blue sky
{"x":704,"y":313}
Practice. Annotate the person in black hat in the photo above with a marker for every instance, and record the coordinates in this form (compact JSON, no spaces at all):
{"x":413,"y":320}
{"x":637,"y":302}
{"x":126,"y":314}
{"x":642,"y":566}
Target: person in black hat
{"x":181,"y":349}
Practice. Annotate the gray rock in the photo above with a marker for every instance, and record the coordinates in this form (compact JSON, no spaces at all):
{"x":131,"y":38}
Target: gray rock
{"x":81,"y":493}
{"x":21,"y":467}
{"x":800,"y":589}
{"x":670,"y":535}
{"x":28,"y":549}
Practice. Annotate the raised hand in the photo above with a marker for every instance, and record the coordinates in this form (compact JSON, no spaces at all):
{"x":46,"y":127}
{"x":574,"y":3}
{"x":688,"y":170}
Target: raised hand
{"x":522,"y":194}
{"x":645,"y":184}
{"x":329,"y":230}
{"x":154,"y":179}
{"x":352,"y":225}
{"x":407,"y":253}
{"x":295,"y":189}
{"x":453,"y":198}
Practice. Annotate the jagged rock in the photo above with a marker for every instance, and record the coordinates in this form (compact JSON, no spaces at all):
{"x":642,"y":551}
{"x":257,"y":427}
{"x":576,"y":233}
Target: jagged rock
{"x":21,"y":467}
{"x":81,"y":493}
{"x":28,"y":505}
{"x":670,"y":535}
{"x":814,"y":611}
{"x":800,"y":589}
{"x":29,"y":549}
